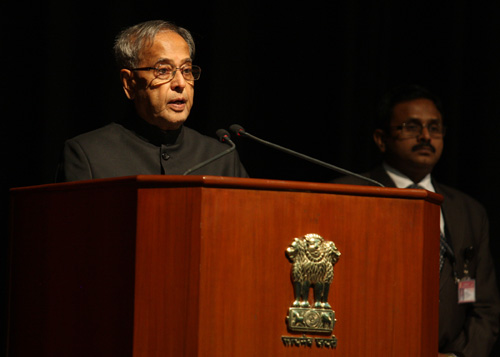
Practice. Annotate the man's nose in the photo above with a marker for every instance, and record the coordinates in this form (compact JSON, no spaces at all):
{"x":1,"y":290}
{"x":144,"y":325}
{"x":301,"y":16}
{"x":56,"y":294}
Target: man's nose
{"x":425,"y":134}
{"x":178,"y":81}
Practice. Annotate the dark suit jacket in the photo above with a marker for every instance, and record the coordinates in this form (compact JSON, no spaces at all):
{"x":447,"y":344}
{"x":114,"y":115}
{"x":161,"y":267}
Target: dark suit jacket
{"x":469,"y":329}
{"x":133,"y":147}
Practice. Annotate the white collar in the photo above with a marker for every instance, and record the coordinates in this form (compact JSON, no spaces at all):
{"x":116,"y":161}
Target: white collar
{"x":402,"y":181}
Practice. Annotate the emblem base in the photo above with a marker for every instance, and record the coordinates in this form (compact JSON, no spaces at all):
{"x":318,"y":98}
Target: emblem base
{"x":311,"y":320}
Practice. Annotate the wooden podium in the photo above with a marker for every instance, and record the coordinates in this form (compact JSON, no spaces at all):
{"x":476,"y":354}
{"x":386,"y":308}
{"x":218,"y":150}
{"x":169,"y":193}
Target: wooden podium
{"x":196,"y":266}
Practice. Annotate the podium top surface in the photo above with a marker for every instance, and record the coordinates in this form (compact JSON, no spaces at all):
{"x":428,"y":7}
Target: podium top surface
{"x":161,"y":181}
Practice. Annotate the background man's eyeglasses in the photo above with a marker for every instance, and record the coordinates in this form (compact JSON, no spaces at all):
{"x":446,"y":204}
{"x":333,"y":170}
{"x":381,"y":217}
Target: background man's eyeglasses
{"x":412,"y":129}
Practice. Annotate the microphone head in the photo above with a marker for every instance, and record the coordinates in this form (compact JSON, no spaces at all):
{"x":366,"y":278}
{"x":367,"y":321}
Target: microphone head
{"x":223,"y":134}
{"x":237,"y":129}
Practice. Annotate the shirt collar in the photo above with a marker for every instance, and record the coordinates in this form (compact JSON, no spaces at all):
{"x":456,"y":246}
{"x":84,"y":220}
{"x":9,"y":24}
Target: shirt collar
{"x":402,"y":181}
{"x":153,"y":134}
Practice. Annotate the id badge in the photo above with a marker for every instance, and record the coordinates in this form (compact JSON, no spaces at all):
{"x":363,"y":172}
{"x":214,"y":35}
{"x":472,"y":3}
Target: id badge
{"x":466,"y":291}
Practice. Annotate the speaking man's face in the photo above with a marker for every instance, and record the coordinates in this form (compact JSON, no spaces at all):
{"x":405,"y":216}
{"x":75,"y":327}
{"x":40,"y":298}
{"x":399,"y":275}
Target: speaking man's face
{"x":163,"y":103}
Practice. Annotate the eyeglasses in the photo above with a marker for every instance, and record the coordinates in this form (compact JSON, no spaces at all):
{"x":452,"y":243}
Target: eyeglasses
{"x":167,"y":72}
{"x":414,"y":128}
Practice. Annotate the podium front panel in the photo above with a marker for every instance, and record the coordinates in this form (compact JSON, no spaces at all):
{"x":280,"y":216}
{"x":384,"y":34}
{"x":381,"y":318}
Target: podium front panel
{"x":177,"y":268}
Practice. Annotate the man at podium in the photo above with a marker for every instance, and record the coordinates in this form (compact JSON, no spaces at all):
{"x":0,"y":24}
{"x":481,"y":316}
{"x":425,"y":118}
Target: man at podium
{"x":410,"y":135}
{"x":157,"y":74}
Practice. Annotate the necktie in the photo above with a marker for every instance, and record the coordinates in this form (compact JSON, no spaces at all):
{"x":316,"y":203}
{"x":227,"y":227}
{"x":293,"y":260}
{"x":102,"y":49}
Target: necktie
{"x":442,"y":239}
{"x":446,"y":249}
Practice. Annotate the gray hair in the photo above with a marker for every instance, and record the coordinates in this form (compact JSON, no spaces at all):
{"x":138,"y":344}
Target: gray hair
{"x":132,"y":40}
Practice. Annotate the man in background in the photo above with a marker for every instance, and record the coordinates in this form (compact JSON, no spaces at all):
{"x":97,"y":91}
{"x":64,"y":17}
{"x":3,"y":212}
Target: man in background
{"x":409,"y":135}
{"x":157,"y":74}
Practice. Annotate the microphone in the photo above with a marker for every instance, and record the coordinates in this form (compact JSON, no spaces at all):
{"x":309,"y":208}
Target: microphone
{"x":238,"y":130}
{"x":224,"y":137}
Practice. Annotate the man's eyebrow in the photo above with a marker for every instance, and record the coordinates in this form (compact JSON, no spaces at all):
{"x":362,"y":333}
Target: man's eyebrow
{"x":170,"y":61}
{"x":420,"y":120}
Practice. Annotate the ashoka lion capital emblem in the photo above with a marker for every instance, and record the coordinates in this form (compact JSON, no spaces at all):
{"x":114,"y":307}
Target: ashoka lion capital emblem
{"x":312,"y":260}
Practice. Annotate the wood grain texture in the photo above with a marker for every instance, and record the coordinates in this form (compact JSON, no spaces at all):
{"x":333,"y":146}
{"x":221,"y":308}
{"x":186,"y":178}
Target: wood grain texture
{"x":72,"y":272}
{"x":196,"y":266}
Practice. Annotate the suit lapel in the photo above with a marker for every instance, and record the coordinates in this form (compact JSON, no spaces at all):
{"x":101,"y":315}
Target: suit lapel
{"x":379,"y":174}
{"x":454,"y":218}
{"x":453,"y":222}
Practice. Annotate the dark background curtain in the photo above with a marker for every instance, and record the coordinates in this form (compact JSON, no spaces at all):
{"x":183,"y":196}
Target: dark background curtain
{"x":306,"y":76}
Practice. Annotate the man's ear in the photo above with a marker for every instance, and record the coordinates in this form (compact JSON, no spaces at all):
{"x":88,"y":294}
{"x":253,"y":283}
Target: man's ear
{"x":128,"y":83}
{"x":379,"y":137}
